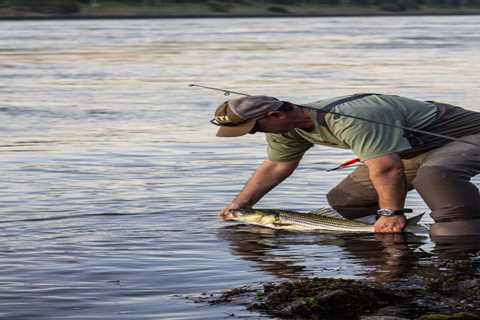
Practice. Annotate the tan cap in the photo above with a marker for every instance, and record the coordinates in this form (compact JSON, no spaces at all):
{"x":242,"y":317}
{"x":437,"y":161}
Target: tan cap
{"x":237,"y":117}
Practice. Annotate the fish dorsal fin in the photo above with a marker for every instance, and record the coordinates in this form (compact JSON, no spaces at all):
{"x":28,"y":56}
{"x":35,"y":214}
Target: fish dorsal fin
{"x":327,"y":212}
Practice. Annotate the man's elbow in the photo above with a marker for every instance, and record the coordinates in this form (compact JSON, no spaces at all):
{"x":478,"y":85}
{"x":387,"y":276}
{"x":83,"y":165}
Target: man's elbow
{"x":388,"y":165}
{"x":282,"y":167}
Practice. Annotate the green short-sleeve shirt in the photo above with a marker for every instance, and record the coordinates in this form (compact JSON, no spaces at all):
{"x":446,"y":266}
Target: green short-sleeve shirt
{"x":367,"y":140}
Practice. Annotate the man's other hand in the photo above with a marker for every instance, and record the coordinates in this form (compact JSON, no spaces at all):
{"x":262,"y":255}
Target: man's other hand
{"x":393,"y":224}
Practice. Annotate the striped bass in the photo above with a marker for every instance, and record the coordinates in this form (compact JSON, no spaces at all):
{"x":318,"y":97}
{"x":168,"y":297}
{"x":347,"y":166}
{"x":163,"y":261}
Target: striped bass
{"x":325,"y":219}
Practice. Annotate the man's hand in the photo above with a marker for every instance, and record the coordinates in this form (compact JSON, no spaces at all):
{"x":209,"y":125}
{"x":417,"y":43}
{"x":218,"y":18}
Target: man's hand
{"x":391,"y":224}
{"x":225,"y":214}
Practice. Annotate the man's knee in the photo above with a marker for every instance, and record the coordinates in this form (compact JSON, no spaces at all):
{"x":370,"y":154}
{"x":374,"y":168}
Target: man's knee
{"x":337,"y":198}
{"x":350,"y":204}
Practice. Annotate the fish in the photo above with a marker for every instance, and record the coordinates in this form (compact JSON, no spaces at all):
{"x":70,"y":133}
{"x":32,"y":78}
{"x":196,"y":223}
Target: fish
{"x":324,"y":219}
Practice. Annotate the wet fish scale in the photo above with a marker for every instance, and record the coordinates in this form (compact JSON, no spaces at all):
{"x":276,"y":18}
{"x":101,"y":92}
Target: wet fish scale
{"x":317,"y":220}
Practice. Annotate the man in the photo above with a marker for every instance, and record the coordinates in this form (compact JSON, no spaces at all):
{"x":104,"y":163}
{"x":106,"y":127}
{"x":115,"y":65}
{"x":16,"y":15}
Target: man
{"x":395,"y":160}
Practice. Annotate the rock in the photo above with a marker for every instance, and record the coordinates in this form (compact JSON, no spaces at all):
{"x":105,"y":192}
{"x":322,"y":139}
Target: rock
{"x":323,"y":299}
{"x":468,"y":284}
{"x":409,"y":311}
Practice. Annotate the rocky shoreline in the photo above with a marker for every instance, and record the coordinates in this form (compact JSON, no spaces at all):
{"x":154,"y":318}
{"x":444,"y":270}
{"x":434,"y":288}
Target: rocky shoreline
{"x":438,"y":290}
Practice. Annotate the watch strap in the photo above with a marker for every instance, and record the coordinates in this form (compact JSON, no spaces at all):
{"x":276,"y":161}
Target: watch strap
{"x":394,"y":212}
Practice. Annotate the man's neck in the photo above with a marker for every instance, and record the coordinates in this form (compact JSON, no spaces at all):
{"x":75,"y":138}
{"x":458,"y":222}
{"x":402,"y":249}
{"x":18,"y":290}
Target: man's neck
{"x":303,"y":120}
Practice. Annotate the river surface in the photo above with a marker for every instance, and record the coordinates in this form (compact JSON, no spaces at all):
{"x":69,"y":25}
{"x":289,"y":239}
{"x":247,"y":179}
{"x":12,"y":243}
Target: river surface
{"x":111,"y":175}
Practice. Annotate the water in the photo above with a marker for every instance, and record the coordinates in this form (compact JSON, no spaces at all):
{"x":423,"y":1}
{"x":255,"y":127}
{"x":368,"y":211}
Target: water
{"x":112,"y":177}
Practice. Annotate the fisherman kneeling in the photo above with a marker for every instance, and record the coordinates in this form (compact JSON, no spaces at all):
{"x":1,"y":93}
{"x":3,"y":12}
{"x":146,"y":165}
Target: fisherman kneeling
{"x":395,"y":160}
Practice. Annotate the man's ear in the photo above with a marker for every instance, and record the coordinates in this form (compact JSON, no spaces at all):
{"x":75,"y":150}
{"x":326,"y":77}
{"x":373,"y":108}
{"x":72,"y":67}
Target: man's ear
{"x":275,"y":114}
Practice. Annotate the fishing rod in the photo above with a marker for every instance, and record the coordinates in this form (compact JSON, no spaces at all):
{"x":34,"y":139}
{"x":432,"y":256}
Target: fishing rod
{"x":225,"y":92}
{"x":438,"y":135}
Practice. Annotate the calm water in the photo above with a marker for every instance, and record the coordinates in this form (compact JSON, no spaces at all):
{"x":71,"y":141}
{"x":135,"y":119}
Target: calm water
{"x":111,"y":175}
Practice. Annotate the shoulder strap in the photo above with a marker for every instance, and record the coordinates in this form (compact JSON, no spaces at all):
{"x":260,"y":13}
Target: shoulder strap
{"x":331,"y":105}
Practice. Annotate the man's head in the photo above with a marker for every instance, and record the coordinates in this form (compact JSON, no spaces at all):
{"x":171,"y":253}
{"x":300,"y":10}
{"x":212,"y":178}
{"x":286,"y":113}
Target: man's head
{"x":240,"y":116}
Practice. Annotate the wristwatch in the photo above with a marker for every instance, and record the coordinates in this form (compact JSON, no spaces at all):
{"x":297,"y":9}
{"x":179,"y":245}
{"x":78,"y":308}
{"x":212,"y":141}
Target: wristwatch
{"x":385,"y":212}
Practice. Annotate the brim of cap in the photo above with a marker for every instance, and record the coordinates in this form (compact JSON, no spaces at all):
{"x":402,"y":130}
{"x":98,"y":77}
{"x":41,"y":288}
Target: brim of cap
{"x":236,"y":131}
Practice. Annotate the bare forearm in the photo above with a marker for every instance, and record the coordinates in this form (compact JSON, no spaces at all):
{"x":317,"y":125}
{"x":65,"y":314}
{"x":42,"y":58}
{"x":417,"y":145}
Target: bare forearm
{"x":265,"y":178}
{"x":388,"y":178}
{"x":391,"y":189}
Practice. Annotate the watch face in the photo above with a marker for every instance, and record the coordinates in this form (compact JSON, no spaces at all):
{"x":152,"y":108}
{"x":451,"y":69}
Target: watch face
{"x":386,"y":212}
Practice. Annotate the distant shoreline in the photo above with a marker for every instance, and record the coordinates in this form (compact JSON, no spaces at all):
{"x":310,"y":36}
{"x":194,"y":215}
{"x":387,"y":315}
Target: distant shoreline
{"x":215,"y":16}
{"x":74,"y":10}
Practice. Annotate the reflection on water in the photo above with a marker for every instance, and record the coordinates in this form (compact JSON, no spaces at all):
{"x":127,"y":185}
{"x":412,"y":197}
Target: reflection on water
{"x":112,"y":176}
{"x":459,"y":248}
{"x":387,"y":257}
{"x":264,"y":246}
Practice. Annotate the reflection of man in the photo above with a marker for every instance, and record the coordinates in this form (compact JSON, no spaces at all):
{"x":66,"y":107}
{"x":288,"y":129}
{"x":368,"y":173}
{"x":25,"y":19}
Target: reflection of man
{"x":395,"y":160}
{"x":399,"y":258}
